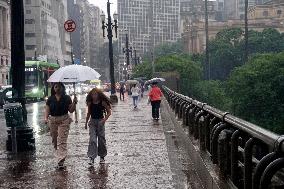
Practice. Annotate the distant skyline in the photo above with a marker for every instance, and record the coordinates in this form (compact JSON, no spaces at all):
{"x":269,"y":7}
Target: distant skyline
{"x":103,"y":5}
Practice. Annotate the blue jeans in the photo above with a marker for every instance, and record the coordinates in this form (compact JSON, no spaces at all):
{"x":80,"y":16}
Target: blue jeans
{"x":135,"y":100}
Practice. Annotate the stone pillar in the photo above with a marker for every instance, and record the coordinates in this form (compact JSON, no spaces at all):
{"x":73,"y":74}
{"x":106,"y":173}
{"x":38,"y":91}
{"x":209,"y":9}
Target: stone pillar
{"x":1,"y":28}
{"x":5,"y":29}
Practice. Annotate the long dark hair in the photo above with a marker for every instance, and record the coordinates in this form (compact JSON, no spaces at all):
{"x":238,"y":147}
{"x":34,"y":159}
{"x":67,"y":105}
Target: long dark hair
{"x":63,"y":90}
{"x":101,"y":95}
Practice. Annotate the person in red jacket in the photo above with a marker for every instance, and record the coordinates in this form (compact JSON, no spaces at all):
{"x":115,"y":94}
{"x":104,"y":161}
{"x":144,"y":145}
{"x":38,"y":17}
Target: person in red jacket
{"x":155,"y":95}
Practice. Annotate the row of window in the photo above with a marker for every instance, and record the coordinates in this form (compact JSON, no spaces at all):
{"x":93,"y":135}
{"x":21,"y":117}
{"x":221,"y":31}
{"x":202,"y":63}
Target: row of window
{"x":44,"y":4}
{"x":4,"y":62}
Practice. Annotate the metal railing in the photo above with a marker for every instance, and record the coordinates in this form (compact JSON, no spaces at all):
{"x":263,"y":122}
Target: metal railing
{"x":246,"y":154}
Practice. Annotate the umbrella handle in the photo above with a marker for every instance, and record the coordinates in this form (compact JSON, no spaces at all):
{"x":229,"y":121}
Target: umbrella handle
{"x":76,"y":114}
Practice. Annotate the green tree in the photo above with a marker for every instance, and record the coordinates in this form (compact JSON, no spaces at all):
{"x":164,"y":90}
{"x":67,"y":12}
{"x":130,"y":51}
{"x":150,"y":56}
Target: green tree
{"x":225,"y":53}
{"x":256,"y":90}
{"x":143,"y":70}
{"x":190,"y":72}
{"x":213,"y":93}
{"x":227,"y":49}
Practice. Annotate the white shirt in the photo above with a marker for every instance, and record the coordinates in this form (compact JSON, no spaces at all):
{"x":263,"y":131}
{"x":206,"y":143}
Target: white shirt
{"x":135,"y":91}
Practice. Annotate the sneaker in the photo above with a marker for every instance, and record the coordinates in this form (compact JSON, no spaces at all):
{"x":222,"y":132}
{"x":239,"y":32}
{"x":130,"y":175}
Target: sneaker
{"x":91,"y":162}
{"x":102,"y":160}
{"x":60,"y":165}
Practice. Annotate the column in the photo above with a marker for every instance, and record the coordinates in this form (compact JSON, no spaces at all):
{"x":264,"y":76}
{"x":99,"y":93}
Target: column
{"x":5,"y":28}
{"x":1,"y":28}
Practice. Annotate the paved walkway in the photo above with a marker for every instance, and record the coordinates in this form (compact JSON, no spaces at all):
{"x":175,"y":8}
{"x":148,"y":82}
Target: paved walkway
{"x":138,"y":156}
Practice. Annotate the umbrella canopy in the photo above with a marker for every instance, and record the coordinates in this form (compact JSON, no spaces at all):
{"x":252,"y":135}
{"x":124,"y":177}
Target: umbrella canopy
{"x":132,"y":82}
{"x":74,"y":74}
{"x":155,"y":80}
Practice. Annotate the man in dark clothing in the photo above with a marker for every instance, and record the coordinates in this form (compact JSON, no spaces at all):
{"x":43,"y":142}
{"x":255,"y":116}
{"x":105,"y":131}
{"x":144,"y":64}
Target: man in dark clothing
{"x":121,"y":91}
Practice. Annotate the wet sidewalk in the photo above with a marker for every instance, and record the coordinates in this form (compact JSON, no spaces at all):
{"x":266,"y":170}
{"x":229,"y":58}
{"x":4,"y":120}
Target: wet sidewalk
{"x":140,"y":155}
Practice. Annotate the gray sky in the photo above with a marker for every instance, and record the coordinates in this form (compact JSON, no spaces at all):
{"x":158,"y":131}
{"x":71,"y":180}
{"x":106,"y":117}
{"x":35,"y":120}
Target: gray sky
{"x":103,"y":5}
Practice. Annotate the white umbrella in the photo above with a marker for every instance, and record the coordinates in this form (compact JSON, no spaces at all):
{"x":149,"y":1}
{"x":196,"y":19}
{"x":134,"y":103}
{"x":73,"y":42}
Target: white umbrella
{"x":155,"y":80}
{"x":74,"y":74}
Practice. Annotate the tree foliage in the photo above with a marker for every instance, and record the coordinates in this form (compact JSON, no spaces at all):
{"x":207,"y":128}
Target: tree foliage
{"x":190,"y":72}
{"x":256,"y":90}
{"x":213,"y":93}
{"x":227,"y":49}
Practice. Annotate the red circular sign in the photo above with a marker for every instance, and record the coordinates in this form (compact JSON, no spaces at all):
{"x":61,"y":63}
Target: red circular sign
{"x":70,"y":25}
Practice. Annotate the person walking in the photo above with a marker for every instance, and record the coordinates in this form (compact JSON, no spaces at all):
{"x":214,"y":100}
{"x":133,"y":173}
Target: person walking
{"x":142,"y":90}
{"x":155,"y":95}
{"x":121,"y":91}
{"x":56,"y":116}
{"x":135,"y":94}
{"x":99,"y":110}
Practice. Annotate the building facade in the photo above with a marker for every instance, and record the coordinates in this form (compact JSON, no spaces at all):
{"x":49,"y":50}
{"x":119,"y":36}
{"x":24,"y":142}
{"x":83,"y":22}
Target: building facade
{"x":5,"y":43}
{"x":192,"y":11}
{"x":267,"y":15}
{"x":147,"y":23}
{"x":45,"y":37}
{"x":269,"y":10}
{"x":251,"y":3}
{"x":88,"y":38}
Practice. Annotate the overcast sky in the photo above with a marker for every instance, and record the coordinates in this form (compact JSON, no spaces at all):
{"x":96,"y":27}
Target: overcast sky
{"x":103,"y":5}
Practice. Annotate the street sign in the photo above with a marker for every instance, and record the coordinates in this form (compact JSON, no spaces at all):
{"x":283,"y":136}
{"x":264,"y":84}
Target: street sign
{"x":70,"y":25}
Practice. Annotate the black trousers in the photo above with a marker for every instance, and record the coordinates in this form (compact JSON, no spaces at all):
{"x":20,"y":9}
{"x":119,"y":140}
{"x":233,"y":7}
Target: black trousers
{"x":156,"y":108}
{"x":121,"y":94}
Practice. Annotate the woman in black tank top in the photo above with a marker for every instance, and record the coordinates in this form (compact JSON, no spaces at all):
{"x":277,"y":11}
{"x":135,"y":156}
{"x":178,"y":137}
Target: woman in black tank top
{"x":99,"y":110}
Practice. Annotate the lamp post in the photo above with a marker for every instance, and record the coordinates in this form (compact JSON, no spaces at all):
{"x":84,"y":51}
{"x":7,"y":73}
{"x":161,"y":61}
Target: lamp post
{"x":35,"y":58}
{"x":127,"y":50}
{"x":207,"y":64}
{"x":136,"y":59}
{"x":246,"y":30}
{"x":110,"y":26}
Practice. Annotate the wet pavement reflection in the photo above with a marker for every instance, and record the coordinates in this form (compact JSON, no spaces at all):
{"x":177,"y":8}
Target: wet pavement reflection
{"x":137,"y":153}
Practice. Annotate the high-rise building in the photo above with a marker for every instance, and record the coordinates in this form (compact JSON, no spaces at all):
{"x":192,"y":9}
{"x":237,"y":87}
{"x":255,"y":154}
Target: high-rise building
{"x":45,"y":37}
{"x":5,"y":44}
{"x":89,"y":38}
{"x":148,"y":23}
{"x":227,"y":9}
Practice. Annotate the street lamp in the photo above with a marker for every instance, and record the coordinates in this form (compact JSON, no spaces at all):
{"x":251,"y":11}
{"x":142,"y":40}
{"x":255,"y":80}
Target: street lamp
{"x":110,"y":26}
{"x":127,"y":50}
{"x":35,"y":58}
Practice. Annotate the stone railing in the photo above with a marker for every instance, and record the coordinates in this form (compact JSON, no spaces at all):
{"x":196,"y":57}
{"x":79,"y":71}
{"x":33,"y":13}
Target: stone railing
{"x":247,"y":155}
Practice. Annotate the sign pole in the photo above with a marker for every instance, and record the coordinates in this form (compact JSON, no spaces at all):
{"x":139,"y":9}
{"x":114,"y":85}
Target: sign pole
{"x":70,"y":26}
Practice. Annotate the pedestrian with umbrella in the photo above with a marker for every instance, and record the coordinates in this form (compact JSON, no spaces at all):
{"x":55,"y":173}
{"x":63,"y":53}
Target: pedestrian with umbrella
{"x":56,"y":115}
{"x":59,"y":104}
{"x":155,"y":95}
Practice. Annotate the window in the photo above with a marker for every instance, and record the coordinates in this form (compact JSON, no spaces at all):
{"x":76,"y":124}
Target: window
{"x":265,"y":13}
{"x":30,"y":47}
{"x":28,"y":2}
{"x":279,"y":12}
{"x":30,"y":35}
{"x":28,"y":11}
{"x":29,"y":21}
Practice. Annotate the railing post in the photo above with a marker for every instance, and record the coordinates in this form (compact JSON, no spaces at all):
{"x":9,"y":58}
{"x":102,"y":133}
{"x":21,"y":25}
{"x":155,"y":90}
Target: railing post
{"x":248,"y":163}
{"x":234,"y":157}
